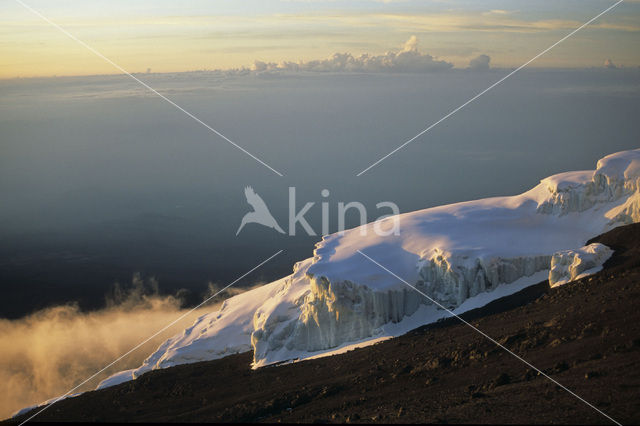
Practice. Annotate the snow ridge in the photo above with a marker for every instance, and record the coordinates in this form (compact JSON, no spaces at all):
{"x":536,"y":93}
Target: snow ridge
{"x":616,"y":176}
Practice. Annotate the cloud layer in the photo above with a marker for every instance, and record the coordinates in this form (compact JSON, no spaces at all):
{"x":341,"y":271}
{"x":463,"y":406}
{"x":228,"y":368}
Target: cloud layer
{"x":45,"y":354}
{"x":409,"y":59}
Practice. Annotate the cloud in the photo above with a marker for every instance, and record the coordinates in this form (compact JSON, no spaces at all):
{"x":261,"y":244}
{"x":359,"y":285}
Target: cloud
{"x":47,"y":353}
{"x":411,"y":45}
{"x":409,"y":59}
{"x":480,"y":63}
{"x":608,"y":63}
{"x":496,"y":21}
{"x":498,"y":12}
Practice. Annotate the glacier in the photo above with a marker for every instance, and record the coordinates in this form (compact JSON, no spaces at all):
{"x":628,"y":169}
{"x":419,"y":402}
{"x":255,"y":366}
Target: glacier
{"x":570,"y":265}
{"x":462,"y":255}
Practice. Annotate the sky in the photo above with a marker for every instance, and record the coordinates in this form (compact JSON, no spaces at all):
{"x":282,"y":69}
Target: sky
{"x":170,"y":36}
{"x":101,"y":180}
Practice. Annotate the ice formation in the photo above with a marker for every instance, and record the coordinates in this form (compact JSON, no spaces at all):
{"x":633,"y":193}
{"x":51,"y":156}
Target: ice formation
{"x":462,"y":255}
{"x":570,"y":265}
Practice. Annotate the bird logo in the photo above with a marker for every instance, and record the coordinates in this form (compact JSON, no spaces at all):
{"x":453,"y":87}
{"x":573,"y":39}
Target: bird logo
{"x":260,"y":213}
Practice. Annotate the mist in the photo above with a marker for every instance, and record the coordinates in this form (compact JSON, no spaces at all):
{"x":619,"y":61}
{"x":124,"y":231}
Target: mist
{"x":51,"y":351}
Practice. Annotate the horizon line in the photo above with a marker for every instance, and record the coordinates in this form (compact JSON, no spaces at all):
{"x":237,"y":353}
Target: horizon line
{"x":307,"y":72}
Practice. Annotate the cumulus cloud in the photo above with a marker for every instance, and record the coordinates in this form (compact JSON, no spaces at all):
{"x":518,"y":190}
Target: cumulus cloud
{"x":411,"y":45}
{"x":47,"y":353}
{"x":608,"y":63}
{"x":480,"y":63}
{"x":409,"y":59}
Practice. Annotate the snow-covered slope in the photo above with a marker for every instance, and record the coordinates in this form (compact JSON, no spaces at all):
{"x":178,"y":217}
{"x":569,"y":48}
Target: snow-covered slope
{"x":462,"y":255}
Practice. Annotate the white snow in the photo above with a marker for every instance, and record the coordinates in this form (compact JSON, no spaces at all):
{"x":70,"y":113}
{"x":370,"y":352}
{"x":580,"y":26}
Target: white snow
{"x":462,"y":255}
{"x":116,"y":379}
{"x":570,"y":265}
{"x":215,"y":335}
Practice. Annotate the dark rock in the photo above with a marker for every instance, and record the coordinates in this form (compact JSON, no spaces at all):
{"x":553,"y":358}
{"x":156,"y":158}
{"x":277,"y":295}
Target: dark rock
{"x":502,"y":379}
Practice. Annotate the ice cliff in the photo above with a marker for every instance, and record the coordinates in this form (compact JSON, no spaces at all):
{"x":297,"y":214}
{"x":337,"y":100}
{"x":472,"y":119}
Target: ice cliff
{"x":462,"y":255}
{"x":570,"y":265}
